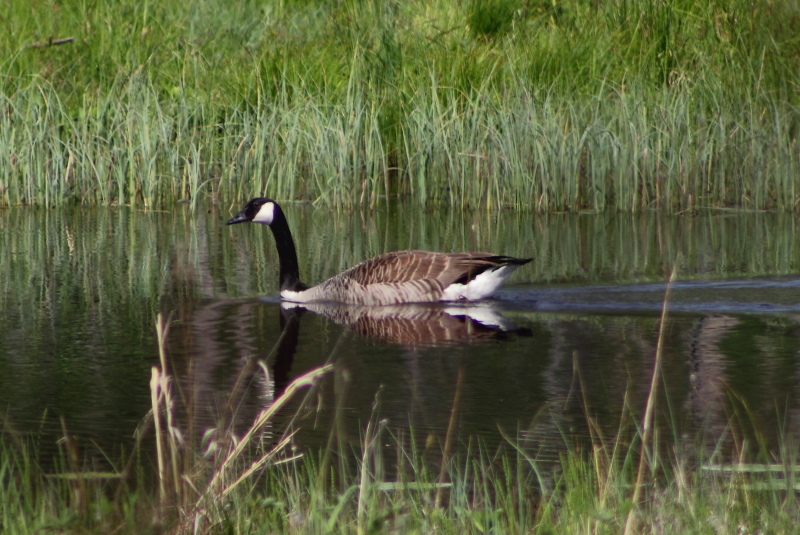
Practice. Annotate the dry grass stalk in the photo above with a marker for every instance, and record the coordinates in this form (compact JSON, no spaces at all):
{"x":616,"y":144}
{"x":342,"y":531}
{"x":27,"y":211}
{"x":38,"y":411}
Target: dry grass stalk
{"x":197,"y":504}
{"x":647,"y":424}
{"x":451,"y":425}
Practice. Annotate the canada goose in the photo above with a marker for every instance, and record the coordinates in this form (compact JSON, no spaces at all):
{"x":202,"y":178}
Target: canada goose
{"x":387,"y":279}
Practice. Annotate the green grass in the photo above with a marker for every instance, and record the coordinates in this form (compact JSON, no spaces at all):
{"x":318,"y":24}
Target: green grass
{"x":546,"y":106}
{"x":392,"y":482}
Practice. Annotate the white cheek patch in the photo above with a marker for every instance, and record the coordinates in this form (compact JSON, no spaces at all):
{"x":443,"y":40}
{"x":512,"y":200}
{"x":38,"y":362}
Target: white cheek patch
{"x":265,"y":214}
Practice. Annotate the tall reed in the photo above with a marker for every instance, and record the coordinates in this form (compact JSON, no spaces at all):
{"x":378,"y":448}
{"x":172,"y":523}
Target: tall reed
{"x":671,"y":105}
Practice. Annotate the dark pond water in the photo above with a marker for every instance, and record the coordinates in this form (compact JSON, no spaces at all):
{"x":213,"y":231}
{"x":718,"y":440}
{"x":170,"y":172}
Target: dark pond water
{"x":573,"y":334}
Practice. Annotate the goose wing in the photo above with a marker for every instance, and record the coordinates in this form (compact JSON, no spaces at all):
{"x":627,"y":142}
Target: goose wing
{"x":402,"y":277}
{"x":406,"y":266}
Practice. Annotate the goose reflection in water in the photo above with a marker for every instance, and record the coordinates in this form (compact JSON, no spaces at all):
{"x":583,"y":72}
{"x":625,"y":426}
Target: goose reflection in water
{"x":416,"y":325}
{"x":250,"y":390}
{"x":408,"y":325}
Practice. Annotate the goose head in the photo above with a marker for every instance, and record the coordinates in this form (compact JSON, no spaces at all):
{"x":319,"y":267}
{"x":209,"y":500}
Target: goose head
{"x":267,"y":212}
{"x":258,"y":210}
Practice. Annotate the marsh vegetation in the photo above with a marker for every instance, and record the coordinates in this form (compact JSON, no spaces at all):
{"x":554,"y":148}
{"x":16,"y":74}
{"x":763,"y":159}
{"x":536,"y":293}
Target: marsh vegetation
{"x":425,"y":120}
{"x":590,"y":489}
{"x":545,"y":106}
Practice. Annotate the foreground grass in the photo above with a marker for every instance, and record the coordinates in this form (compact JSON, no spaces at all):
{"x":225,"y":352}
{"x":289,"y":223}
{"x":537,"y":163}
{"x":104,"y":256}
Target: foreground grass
{"x":548,"y":106}
{"x":586,"y":490}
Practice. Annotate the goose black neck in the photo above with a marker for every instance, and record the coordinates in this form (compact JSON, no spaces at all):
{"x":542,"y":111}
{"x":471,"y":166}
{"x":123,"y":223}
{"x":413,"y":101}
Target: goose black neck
{"x":290,"y":272}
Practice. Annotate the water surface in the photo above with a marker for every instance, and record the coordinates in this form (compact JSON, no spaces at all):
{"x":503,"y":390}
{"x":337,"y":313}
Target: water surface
{"x":571,"y":336}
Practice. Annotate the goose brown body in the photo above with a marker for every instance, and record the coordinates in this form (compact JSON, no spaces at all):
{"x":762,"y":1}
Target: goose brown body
{"x":404,"y":277}
{"x":390,"y":278}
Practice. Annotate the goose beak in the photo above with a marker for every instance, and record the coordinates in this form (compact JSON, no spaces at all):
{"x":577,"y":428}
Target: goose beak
{"x":238,"y":218}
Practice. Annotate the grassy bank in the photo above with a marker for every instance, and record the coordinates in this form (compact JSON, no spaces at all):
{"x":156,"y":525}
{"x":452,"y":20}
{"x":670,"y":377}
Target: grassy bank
{"x":534,"y":105}
{"x":482,"y":495}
